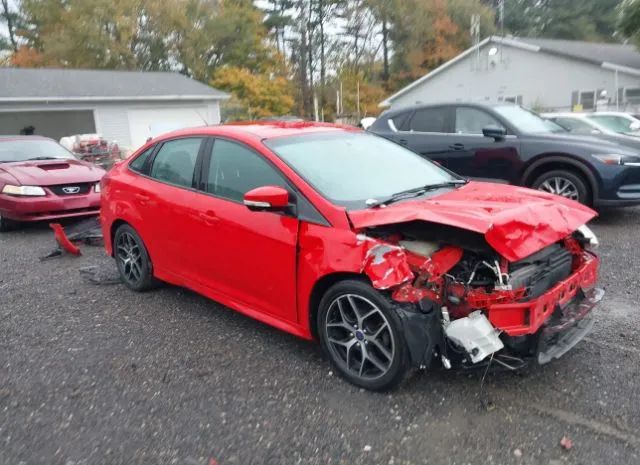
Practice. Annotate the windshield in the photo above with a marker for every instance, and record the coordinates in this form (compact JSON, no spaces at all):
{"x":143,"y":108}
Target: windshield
{"x":31,"y":149}
{"x":527,"y":121}
{"x":612,"y":122}
{"x":350,"y":168}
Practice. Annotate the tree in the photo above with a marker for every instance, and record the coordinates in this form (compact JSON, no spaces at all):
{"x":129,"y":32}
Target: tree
{"x":629,"y":23}
{"x":592,"y":20}
{"x":11,"y":19}
{"x":256,"y":95}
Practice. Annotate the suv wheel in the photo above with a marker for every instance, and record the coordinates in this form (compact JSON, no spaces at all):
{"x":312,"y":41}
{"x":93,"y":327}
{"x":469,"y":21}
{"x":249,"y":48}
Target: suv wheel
{"x":361,"y":334}
{"x":133,"y":260}
{"x":565,"y":184}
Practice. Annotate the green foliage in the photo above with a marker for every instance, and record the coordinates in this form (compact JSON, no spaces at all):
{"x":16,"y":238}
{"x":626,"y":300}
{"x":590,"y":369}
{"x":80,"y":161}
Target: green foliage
{"x":629,"y":23}
{"x":591,"y":20}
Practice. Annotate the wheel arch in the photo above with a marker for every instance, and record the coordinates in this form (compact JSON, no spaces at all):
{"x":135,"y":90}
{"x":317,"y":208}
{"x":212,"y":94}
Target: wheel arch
{"x":549,"y":162}
{"x":320,"y":288}
{"x":112,"y":232}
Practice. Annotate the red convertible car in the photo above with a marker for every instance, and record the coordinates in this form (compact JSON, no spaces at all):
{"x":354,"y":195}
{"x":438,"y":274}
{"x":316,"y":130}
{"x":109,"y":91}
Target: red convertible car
{"x":333,"y":234}
{"x":41,"y":180}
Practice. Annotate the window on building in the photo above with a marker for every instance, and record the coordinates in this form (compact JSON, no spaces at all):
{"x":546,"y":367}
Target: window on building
{"x":588,"y":99}
{"x":517,"y":99}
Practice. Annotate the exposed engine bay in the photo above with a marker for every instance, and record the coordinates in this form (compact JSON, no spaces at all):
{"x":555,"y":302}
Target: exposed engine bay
{"x":484,"y":302}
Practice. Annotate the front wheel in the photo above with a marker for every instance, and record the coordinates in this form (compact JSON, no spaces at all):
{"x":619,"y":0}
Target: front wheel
{"x":361,"y":334}
{"x":6,"y":224}
{"x":565,"y":184}
{"x":133,"y":260}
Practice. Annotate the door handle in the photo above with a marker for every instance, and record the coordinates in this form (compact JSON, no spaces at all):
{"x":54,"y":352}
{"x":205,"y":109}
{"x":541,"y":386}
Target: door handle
{"x":457,"y":146}
{"x":142,"y":199}
{"x":403,"y":142}
{"x":209,"y":217}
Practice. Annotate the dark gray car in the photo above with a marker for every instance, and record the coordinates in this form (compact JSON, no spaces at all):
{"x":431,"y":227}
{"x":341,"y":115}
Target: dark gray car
{"x":506,"y":143}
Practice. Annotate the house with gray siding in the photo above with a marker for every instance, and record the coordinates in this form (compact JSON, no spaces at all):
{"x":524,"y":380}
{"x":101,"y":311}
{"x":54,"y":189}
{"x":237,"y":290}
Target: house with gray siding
{"x":543,"y":74}
{"x":122,"y":106}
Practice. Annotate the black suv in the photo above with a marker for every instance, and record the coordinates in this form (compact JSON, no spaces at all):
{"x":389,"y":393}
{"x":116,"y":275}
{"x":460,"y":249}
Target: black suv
{"x":506,"y":143}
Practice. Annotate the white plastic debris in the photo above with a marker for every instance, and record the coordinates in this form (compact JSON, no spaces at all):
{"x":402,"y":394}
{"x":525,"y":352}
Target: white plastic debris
{"x":476,"y":335}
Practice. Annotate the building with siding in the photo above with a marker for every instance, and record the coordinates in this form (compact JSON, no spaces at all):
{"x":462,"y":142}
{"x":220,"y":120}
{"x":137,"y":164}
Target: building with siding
{"x":544,"y":74}
{"x":125,"y":106}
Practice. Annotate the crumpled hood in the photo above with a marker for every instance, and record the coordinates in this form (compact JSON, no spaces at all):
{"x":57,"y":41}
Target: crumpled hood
{"x":515,"y":221}
{"x":52,"y":172}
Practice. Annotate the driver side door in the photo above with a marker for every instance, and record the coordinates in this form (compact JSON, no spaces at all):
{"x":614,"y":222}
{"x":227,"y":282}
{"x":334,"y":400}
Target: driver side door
{"x":249,"y":256}
{"x":476,"y":156}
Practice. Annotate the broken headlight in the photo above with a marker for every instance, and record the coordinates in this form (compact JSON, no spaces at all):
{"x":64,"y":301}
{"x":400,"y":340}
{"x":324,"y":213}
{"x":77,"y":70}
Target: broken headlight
{"x":33,"y":191}
{"x":589,"y":238}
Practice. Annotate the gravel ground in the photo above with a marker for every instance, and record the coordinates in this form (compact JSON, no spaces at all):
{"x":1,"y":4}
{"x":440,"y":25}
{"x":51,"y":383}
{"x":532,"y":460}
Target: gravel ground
{"x":93,"y":374}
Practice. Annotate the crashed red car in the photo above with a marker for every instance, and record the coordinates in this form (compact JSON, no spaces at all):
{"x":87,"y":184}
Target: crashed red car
{"x":41,"y":180}
{"x":334,"y":234}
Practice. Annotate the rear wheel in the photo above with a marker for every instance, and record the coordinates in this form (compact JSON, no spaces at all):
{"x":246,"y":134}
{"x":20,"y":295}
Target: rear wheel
{"x":361,"y":334}
{"x":133,"y":260}
{"x":565,"y":184}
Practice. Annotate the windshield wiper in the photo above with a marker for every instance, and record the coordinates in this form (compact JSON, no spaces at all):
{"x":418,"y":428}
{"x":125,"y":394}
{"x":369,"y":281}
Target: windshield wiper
{"x":415,"y":192}
{"x":43,"y":158}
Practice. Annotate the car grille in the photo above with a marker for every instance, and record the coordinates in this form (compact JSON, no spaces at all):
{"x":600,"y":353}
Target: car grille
{"x":71,"y":189}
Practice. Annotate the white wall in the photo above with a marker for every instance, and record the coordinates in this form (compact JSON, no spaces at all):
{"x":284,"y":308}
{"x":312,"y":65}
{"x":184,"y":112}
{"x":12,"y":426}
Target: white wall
{"x":542,"y":79}
{"x":112,"y":120}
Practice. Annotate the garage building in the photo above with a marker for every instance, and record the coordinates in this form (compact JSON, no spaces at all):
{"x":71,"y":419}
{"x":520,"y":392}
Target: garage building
{"x":123,"y":106}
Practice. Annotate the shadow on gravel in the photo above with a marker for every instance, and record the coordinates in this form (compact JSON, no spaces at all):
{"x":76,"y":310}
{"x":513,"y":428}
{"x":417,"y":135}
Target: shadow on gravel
{"x":618,"y":216}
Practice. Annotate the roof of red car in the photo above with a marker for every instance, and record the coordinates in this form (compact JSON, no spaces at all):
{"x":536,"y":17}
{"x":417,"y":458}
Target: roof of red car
{"x":266,"y":129}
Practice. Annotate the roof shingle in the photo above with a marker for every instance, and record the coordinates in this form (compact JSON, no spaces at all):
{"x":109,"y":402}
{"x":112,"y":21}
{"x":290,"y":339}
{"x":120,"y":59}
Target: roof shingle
{"x":69,"y":84}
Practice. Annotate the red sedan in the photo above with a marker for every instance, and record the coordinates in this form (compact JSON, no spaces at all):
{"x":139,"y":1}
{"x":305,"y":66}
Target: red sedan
{"x":41,"y":180}
{"x":334,"y":234}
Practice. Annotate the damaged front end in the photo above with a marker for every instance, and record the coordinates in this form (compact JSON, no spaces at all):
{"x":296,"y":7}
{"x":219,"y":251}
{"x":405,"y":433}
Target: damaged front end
{"x":461,"y":302}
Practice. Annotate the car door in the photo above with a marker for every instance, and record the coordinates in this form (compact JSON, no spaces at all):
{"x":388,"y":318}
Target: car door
{"x":167,"y":203}
{"x":249,"y":256}
{"x":427,"y":132}
{"x":476,"y":156}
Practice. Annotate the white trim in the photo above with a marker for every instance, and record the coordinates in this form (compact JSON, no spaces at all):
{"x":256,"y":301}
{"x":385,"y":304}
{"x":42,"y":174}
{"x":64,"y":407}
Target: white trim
{"x":620,"y":68}
{"x":444,"y":66}
{"x":114,"y":99}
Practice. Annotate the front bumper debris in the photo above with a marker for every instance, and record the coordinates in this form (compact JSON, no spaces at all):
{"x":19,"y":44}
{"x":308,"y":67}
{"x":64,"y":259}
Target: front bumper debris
{"x":572,"y":325}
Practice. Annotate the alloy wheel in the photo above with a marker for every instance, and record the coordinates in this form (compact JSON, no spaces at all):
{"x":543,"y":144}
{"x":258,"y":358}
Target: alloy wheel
{"x":359,"y":336}
{"x":560,"y":186}
{"x":130,"y":257}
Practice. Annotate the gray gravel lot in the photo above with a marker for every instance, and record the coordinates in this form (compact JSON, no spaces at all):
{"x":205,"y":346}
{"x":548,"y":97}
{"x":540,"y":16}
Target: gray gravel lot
{"x":97,"y":374}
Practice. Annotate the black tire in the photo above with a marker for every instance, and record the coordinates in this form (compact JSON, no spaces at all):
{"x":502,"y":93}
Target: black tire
{"x":575,"y":185}
{"x":6,"y":224}
{"x":137,"y":272}
{"x":387,"y":349}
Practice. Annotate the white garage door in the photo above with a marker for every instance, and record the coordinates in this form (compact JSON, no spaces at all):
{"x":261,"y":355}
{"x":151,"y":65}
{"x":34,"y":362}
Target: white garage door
{"x":150,"y":123}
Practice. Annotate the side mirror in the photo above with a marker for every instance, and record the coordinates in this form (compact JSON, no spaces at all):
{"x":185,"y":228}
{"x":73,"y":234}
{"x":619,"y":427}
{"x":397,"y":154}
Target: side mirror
{"x":494,"y":132}
{"x":267,"y":198}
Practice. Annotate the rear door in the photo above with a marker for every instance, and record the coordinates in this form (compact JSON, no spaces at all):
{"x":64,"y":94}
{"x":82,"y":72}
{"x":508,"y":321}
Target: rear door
{"x":167,"y":202}
{"x":476,"y":156}
{"x":427,"y":131}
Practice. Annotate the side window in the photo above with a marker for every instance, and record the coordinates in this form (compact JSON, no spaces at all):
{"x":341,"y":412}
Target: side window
{"x":429,"y":120}
{"x":234,"y":170}
{"x":473,"y":121}
{"x":400,"y":121}
{"x":138,"y":163}
{"x":175,"y":162}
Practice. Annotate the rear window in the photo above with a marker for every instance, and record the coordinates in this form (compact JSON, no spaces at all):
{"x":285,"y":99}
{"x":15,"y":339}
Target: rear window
{"x":429,"y":120}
